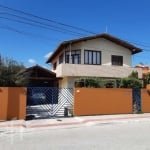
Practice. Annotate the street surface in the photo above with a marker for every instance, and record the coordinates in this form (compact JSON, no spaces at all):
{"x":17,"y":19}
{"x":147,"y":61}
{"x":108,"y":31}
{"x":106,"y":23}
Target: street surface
{"x":113,"y":136}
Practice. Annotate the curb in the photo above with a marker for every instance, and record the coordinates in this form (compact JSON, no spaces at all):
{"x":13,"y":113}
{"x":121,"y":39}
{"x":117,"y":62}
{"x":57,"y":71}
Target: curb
{"x":79,"y":123}
{"x":94,"y":121}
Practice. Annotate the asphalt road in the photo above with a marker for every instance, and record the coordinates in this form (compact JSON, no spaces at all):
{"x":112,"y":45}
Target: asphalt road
{"x":116,"y":136}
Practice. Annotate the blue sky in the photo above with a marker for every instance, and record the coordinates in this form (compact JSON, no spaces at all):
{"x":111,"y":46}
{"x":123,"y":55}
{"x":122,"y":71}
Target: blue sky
{"x":126,"y":19}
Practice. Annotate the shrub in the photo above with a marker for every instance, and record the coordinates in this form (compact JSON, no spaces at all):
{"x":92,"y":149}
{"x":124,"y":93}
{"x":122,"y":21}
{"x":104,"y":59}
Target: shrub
{"x":130,"y":83}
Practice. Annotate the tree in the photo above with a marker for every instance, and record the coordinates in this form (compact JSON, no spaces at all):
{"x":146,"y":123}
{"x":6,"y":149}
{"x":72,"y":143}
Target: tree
{"x":22,"y":77}
{"x":146,"y":79}
{"x":131,"y":81}
{"x":8,"y":70}
{"x":133,"y":75}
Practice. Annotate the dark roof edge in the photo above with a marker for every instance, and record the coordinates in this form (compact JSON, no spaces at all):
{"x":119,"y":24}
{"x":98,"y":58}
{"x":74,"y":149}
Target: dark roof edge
{"x":109,"y":37}
{"x":41,"y":68}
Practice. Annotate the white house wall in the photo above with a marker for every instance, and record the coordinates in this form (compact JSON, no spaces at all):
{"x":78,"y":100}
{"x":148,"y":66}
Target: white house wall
{"x":67,"y":82}
{"x":63,"y":83}
{"x":106,"y":47}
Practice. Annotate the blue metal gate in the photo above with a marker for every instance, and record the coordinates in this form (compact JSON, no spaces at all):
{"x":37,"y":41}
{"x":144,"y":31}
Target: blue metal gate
{"x":47,"y":102}
{"x":136,"y":96}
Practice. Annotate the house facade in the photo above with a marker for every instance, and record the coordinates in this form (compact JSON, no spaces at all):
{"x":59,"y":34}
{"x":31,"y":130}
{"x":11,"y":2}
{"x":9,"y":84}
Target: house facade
{"x":101,"y":55}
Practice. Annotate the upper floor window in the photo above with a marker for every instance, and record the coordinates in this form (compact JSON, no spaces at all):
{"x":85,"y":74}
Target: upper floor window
{"x":117,"y":60}
{"x":73,"y":57}
{"x":67,"y":56}
{"x":54,"y":66}
{"x":92,"y":57}
{"x":61,"y":58}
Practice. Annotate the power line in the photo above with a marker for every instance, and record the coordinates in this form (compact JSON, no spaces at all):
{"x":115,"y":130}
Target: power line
{"x":12,"y":29}
{"x":41,"y":26}
{"x":26,"y":33}
{"x":139,"y":43}
{"x":49,"y":20}
{"x":143,"y":43}
{"x":56,"y":22}
{"x":58,"y":29}
{"x":19,"y":21}
{"x":27,"y":19}
{"x":37,"y":25}
{"x":54,"y":28}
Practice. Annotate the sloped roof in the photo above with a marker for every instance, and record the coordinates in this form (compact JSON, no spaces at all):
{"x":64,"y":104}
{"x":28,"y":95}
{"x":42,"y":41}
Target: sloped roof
{"x":109,"y":37}
{"x":37,"y":69}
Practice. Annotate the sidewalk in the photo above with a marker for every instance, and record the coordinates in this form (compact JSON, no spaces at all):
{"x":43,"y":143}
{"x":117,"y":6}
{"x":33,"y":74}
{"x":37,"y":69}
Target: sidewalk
{"x":72,"y":122}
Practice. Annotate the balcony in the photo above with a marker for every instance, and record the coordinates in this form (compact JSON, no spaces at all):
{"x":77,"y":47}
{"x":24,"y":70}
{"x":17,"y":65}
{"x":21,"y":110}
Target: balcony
{"x":78,"y":70}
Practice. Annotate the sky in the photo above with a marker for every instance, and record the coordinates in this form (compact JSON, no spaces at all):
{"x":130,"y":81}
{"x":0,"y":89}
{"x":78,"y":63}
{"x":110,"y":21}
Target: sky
{"x":30,"y":40}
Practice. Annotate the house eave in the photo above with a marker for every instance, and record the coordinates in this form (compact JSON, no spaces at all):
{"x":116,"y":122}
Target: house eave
{"x":109,"y":37}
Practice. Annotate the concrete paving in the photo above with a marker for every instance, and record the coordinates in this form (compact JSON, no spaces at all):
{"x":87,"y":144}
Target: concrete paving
{"x":70,"y":122}
{"x":113,"y":136}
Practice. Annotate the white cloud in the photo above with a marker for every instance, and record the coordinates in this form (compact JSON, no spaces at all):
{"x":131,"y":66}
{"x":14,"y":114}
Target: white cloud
{"x":32,"y":61}
{"x":48,"y":55}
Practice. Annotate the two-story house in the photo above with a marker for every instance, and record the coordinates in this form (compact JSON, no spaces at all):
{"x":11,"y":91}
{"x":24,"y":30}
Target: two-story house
{"x":101,"y":55}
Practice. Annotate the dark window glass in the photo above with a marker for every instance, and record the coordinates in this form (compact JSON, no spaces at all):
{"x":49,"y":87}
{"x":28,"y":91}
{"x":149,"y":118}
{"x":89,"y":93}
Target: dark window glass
{"x":73,"y":57}
{"x":117,"y":60}
{"x":54,"y":66}
{"x":67,"y":56}
{"x":61,"y":57}
{"x":92,"y":57}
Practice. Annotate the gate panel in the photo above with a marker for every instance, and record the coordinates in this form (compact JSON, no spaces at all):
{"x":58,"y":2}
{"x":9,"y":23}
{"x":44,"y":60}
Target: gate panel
{"x":47,"y":102}
{"x":65,"y":100}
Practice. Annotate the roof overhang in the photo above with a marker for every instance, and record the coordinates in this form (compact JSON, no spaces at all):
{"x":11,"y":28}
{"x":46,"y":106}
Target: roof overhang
{"x":35,"y":68}
{"x":109,"y":37}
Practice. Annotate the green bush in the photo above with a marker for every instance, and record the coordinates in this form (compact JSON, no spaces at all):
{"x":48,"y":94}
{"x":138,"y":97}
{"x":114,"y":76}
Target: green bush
{"x":130,"y":83}
{"x":97,"y":82}
{"x":146,"y":80}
